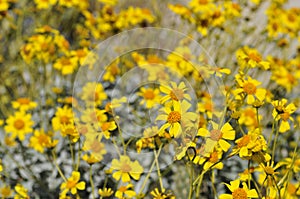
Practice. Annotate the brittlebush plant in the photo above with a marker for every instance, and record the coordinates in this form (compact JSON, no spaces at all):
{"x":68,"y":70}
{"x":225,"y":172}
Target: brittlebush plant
{"x":247,"y":149}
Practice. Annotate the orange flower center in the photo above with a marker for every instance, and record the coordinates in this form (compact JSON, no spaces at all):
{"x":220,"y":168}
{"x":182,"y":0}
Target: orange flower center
{"x":216,"y":135}
{"x":174,"y":117}
{"x":249,"y":88}
{"x":203,"y":1}
{"x":291,"y":189}
{"x":269,"y":170}
{"x":19,"y":124}
{"x":285,"y":116}
{"x":254,"y":56}
{"x":122,"y":189}
{"x":64,"y":119}
{"x":149,"y":94}
{"x":71,"y":184}
{"x":114,"y":70}
{"x":96,"y":146}
{"x":125,"y":168}
{"x":43,"y":139}
{"x":65,"y":61}
{"x":214,"y":157}
{"x":291,"y":78}
{"x":239,"y":193}
{"x":176,"y":94}
{"x":105,"y":126}
{"x":23,"y":100}
{"x":244,"y":141}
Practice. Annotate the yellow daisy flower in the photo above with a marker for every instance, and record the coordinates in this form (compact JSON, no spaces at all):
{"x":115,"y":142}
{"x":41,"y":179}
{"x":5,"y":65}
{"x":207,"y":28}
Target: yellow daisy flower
{"x":175,"y":117}
{"x":5,"y":192}
{"x":237,"y":192}
{"x":63,"y":116}
{"x":283,"y":112}
{"x":125,"y":192}
{"x":93,"y":144}
{"x":21,"y":192}
{"x":150,"y":96}
{"x":217,"y":137}
{"x":93,"y":94}
{"x":19,"y":125}
{"x":250,"y":57}
{"x":174,"y":92}
{"x":248,"y":88}
{"x":72,"y":184}
{"x":126,"y":169}
{"x":105,"y":192}
{"x":24,"y":104}
{"x":40,"y":140}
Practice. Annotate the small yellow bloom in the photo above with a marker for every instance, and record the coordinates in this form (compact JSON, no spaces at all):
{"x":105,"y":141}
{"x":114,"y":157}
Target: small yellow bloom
{"x":106,"y":192}
{"x":63,"y":116}
{"x":237,"y":192}
{"x":72,"y":184}
{"x":40,"y":140}
{"x":125,"y":192}
{"x":21,"y":192}
{"x":24,"y":104}
{"x":150,"y":96}
{"x":19,"y":125}
{"x":5,"y":192}
{"x":126,"y":169}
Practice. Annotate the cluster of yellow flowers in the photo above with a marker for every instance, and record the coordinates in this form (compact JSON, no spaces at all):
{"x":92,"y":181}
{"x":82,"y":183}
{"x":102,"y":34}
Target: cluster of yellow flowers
{"x":114,"y":138}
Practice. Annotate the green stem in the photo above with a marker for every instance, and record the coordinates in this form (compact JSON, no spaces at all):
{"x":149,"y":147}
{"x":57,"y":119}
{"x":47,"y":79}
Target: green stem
{"x":158,"y":170}
{"x":275,"y":142}
{"x":57,"y":167}
{"x":92,"y":182}
{"x":191,"y":179}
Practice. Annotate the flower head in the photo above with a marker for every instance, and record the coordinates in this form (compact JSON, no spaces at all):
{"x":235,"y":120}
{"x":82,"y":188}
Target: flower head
{"x":72,"y":184}
{"x":237,"y":192}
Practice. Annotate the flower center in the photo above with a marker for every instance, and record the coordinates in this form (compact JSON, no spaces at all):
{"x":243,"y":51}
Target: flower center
{"x":216,"y":135}
{"x":149,"y":94}
{"x":105,"y":126}
{"x":239,"y":193}
{"x":23,"y":101}
{"x":269,"y":170}
{"x":64,"y":119}
{"x":125,"y":168}
{"x":96,"y":146}
{"x":71,"y":184}
{"x":203,"y":1}
{"x":249,"y":88}
{"x":244,"y":141}
{"x":43,"y":139}
{"x":176,"y":94}
{"x":65,"y":61}
{"x":122,"y":189}
{"x":174,"y":117}
{"x":285,"y":116}
{"x":213,"y":157}
{"x":255,"y":57}
{"x":19,"y":124}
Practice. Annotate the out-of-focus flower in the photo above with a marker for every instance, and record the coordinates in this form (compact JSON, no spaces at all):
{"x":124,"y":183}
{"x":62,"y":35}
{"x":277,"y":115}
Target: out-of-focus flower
{"x":24,"y":104}
{"x":21,"y":192}
{"x":150,"y":96}
{"x":125,"y":192}
{"x":63,"y":116}
{"x":40,"y":140}
{"x":126,"y":169}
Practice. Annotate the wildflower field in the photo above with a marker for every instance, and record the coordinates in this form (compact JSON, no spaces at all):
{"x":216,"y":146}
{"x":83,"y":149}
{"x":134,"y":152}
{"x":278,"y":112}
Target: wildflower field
{"x":184,"y":99}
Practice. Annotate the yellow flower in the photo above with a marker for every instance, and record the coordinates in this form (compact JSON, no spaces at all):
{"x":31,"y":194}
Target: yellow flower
{"x":247,"y":87}
{"x":4,"y":5}
{"x":90,"y":159}
{"x":109,"y":2}
{"x":93,"y":94}
{"x":67,"y":65}
{"x":283,"y":113}
{"x":22,"y":193}
{"x":252,"y":146}
{"x":23,"y":104}
{"x":217,"y":137}
{"x":237,"y":192}
{"x":150,"y":96}
{"x":250,"y":57}
{"x":106,"y":127}
{"x":174,"y":92}
{"x":5,"y":192}
{"x":112,"y":71}
{"x":176,"y":117}
{"x":40,"y":140}
{"x":210,"y":160}
{"x":63,"y":116}
{"x":19,"y":125}
{"x":72,"y":184}
{"x":44,"y":4}
{"x":70,"y":130}
{"x":105,"y":192}
{"x":163,"y":194}
{"x":126,"y":169}
{"x":93,"y":144}
{"x":125,"y":192}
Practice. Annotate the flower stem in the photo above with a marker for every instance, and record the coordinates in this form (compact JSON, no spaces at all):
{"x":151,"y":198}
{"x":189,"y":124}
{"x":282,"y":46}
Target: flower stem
{"x":92,"y":182}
